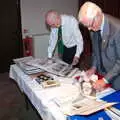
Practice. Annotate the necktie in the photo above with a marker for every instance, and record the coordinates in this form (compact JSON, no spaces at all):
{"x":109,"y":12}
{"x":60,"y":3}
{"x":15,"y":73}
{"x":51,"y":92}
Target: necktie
{"x":98,"y":46}
{"x":60,"y":42}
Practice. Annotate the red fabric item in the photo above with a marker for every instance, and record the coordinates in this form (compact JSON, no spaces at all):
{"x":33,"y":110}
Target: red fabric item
{"x":77,"y":77}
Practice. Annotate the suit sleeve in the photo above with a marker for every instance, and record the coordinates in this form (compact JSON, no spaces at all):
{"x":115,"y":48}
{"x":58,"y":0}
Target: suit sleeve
{"x":78,"y":38}
{"x":115,"y":71}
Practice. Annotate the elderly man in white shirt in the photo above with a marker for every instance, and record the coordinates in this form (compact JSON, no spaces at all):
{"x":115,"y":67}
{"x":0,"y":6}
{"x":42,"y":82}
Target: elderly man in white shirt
{"x":71,"y":36}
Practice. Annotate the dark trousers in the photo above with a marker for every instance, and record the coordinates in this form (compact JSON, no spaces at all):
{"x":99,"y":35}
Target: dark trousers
{"x":68,"y":54}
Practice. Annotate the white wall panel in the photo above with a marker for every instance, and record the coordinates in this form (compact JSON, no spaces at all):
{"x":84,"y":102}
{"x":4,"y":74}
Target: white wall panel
{"x":32,"y":14}
{"x":40,"y":44}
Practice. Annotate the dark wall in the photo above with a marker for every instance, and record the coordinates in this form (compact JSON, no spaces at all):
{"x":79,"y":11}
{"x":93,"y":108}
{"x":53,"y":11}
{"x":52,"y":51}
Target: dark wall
{"x":108,"y":6}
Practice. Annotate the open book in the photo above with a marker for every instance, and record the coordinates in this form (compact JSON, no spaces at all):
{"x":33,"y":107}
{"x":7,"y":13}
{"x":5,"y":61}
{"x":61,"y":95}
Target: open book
{"x":54,"y":66}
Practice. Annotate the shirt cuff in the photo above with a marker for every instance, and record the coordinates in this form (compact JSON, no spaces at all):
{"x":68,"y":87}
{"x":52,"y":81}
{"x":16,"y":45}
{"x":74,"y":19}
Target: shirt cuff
{"x":77,"y":55}
{"x":49,"y":55}
{"x":105,"y":81}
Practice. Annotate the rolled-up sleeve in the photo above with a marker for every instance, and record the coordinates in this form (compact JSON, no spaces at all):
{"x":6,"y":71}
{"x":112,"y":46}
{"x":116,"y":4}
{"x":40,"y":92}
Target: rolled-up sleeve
{"x":78,"y":38}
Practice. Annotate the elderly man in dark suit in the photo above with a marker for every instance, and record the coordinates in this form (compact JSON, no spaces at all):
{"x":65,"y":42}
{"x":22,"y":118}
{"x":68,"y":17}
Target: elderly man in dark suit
{"x":105,"y":36}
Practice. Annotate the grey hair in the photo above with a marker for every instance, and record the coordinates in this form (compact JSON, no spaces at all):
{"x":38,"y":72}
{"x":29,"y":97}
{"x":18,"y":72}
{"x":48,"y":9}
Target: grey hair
{"x":89,"y":10}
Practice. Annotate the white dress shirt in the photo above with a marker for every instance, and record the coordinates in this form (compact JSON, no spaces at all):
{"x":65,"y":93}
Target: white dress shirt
{"x":71,"y":35}
{"x":102,"y":25}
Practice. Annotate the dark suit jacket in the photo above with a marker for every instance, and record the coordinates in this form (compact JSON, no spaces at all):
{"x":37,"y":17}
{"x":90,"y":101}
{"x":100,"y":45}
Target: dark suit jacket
{"x":110,"y":50}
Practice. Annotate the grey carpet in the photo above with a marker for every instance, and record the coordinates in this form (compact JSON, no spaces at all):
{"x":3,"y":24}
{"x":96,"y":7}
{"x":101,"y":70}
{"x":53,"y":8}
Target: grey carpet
{"x":12,"y":103}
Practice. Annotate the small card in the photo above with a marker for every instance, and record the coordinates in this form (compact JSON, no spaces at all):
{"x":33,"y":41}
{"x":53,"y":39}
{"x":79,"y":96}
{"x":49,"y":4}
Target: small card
{"x":50,"y":83}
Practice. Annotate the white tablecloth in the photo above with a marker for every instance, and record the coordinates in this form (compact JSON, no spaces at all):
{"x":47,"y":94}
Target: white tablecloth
{"x":43,"y":99}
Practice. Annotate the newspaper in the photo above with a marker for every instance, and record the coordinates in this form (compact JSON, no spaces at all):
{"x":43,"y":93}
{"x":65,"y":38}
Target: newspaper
{"x":73,"y":102}
{"x":28,"y":69}
{"x":86,"y":102}
{"x":86,"y":106}
{"x":54,"y":66}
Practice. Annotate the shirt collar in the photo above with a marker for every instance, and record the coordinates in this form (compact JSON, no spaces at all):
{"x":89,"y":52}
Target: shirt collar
{"x":102,"y":25}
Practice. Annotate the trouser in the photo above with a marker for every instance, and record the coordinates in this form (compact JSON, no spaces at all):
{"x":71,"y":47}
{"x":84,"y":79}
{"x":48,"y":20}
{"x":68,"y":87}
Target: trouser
{"x":68,"y":54}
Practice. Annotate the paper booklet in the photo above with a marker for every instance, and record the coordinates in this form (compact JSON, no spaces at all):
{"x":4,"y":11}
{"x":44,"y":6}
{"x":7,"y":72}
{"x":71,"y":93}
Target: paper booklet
{"x":28,"y":69}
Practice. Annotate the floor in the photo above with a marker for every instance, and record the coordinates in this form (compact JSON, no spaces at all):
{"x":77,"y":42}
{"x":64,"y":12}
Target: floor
{"x":12,"y":104}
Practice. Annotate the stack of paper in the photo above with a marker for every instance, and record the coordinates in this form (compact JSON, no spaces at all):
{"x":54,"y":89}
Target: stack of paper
{"x":28,"y":69}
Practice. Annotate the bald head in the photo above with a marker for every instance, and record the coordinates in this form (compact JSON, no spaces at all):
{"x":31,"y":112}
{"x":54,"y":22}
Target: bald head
{"x":88,"y":12}
{"x":52,"y":18}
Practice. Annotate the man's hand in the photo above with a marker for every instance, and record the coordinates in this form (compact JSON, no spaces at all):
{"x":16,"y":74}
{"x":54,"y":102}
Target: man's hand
{"x":99,"y":85}
{"x":75,"y":60}
{"x":90,"y":71}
